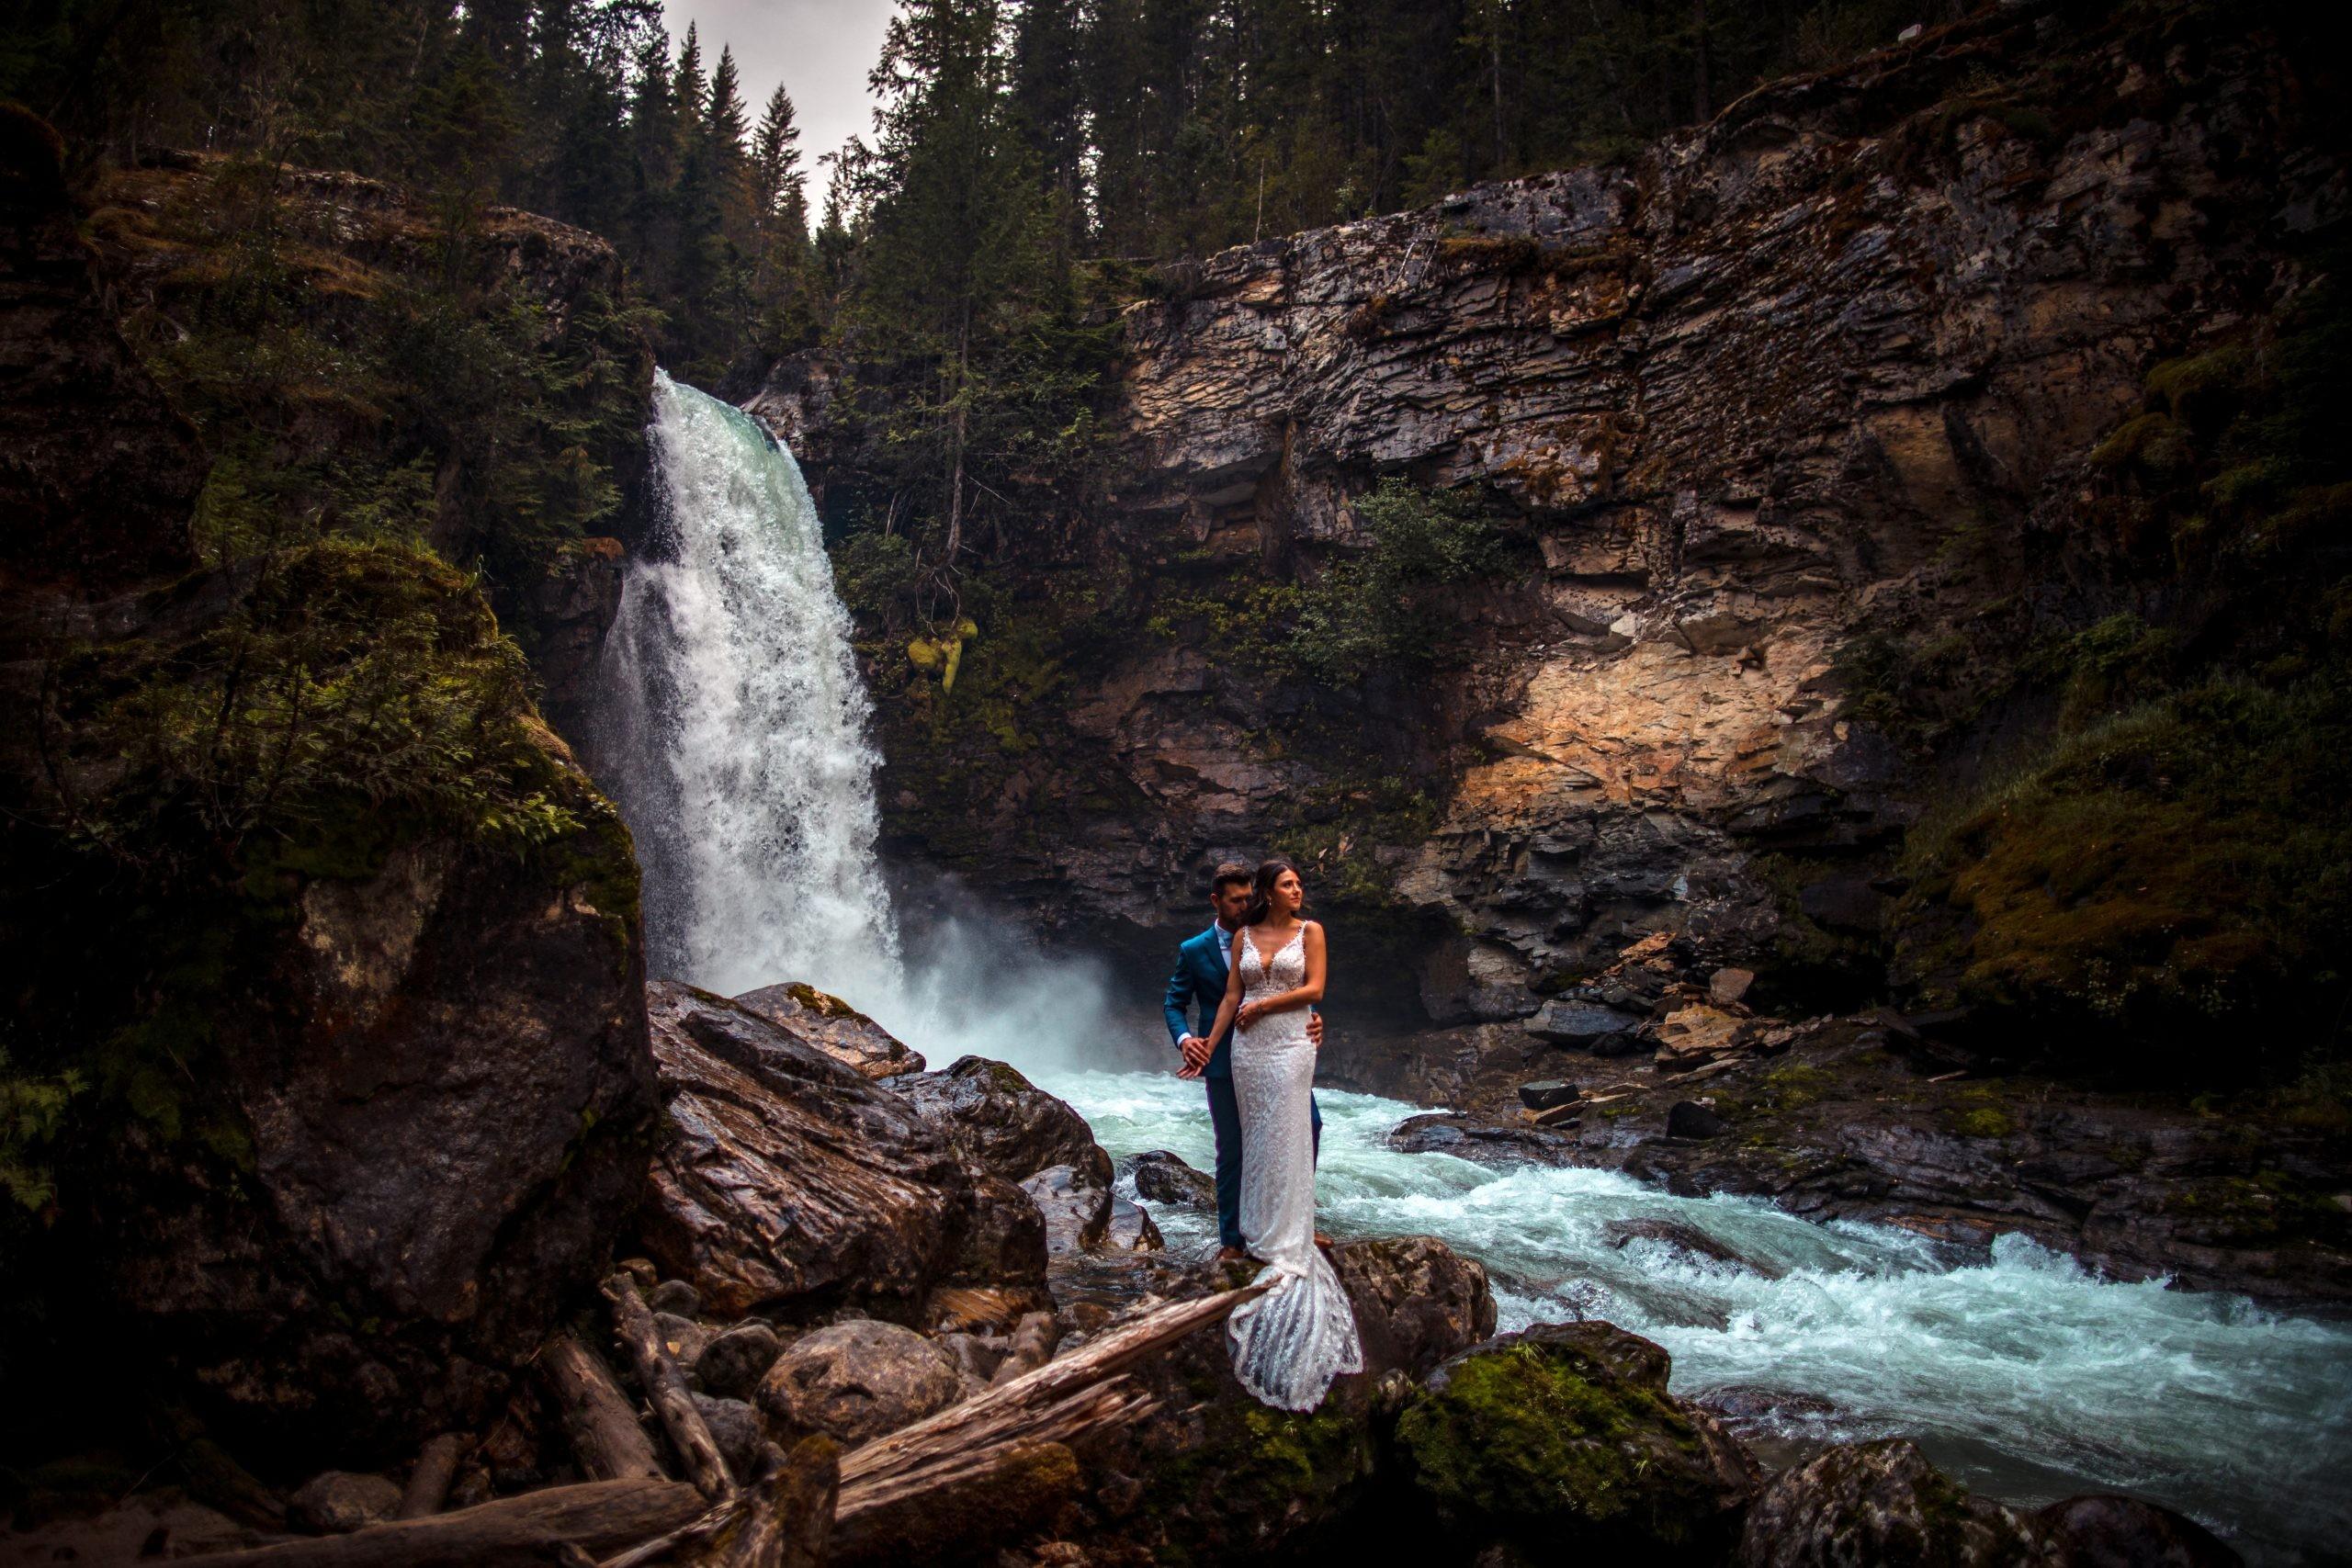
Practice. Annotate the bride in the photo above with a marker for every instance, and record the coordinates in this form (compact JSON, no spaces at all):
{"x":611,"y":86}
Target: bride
{"x":1291,"y":1342}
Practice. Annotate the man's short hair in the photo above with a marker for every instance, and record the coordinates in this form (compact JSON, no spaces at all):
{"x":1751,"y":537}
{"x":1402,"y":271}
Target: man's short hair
{"x":1231,"y":871}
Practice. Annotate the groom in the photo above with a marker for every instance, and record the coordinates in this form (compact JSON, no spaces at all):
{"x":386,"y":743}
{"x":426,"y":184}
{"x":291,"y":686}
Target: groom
{"x":1202,"y":965}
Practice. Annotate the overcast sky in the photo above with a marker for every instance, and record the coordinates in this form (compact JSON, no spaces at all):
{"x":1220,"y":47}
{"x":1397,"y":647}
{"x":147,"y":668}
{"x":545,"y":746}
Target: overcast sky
{"x":821,"y":51}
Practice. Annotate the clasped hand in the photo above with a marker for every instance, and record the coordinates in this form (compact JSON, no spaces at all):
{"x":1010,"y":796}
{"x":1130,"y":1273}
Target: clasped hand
{"x":1196,"y":1049}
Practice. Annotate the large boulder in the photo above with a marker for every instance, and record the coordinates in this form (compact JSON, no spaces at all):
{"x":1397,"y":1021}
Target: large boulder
{"x":1004,"y":1124}
{"x":856,"y":1380}
{"x":1564,"y":1439}
{"x":1164,"y":1178}
{"x":433,"y":1130}
{"x":783,"y":1175}
{"x":834,"y":1027}
{"x":1883,"y":1502}
{"x":2103,"y":1531}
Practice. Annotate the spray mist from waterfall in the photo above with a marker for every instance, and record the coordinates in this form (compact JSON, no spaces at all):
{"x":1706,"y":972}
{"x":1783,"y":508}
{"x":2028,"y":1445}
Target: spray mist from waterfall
{"x":734,"y":738}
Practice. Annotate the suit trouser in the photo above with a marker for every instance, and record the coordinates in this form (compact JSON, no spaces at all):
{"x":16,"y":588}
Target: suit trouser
{"x":1224,"y":1116}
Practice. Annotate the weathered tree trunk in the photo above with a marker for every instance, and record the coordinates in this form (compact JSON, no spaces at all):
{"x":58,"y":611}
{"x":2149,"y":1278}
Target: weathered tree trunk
{"x":428,"y":1483}
{"x":784,"y":1519}
{"x":665,"y":1389}
{"x":596,"y":1516}
{"x":597,"y":1416}
{"x":1059,"y":1400}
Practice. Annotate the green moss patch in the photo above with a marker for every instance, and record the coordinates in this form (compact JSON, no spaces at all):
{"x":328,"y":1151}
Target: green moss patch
{"x":1565,"y":1434}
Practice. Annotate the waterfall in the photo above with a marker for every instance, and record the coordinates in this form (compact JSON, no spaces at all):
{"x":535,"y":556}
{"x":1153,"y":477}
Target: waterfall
{"x":734,"y":733}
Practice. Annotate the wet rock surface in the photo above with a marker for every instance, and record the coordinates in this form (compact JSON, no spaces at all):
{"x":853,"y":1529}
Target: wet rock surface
{"x":1468,"y":1137}
{"x":1003,"y":1123}
{"x":856,"y":1380}
{"x":1076,"y":1209}
{"x":834,"y":1027}
{"x":1163,"y":1177}
{"x":1880,"y":1501}
{"x":2107,"y":1532}
{"x":784,"y":1176}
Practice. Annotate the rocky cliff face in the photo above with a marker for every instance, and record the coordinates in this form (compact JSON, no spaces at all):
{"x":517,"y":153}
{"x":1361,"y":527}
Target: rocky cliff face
{"x":1821,"y":374}
{"x":327,"y":948}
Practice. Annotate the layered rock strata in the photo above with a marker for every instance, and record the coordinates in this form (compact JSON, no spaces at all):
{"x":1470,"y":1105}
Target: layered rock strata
{"x":1826,"y":368}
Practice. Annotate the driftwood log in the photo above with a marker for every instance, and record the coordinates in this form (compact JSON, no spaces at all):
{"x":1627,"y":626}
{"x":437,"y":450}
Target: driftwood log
{"x":1010,"y":1494}
{"x":428,"y":1483}
{"x":526,"y":1531}
{"x":665,"y":1390}
{"x":597,"y":1416}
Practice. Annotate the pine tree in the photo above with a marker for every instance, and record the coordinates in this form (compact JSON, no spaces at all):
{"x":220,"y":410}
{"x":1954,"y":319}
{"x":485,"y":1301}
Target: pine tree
{"x":724,"y":132}
{"x":781,"y":281}
{"x":779,"y":188}
{"x":688,"y":92}
{"x":958,"y":299}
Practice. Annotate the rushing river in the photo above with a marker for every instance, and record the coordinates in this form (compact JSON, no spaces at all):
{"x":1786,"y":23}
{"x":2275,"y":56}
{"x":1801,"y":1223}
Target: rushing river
{"x":2023,"y":1375}
{"x":734,"y":741}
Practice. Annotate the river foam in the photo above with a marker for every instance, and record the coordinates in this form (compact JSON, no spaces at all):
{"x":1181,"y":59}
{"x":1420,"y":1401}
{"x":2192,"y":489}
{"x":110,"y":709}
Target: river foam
{"x":2021,"y":1372}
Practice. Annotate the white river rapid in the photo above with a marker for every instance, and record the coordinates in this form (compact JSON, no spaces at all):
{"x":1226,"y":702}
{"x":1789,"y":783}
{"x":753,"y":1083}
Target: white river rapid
{"x":734,"y":741}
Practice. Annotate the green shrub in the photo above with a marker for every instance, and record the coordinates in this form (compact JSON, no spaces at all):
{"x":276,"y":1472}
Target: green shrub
{"x":1384,"y":606}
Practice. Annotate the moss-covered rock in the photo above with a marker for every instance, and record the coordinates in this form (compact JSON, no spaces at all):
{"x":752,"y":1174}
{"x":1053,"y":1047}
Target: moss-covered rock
{"x":1565,"y":1434}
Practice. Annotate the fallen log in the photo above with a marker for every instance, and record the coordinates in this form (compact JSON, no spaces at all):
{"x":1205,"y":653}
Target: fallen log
{"x":665,"y":1390}
{"x":597,"y":1416}
{"x":784,"y":1519}
{"x":1011,"y":1494}
{"x":1020,"y":1410}
{"x":527,"y":1531}
{"x":428,"y":1483}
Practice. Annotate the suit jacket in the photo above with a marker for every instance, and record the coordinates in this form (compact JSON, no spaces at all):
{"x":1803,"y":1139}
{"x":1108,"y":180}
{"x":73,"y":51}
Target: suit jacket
{"x":1201,"y":977}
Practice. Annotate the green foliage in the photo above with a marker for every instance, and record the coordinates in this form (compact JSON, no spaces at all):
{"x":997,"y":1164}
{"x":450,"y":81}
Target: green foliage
{"x":32,"y":1111}
{"x":433,"y":397}
{"x":2179,"y":860}
{"x":1383,"y":608}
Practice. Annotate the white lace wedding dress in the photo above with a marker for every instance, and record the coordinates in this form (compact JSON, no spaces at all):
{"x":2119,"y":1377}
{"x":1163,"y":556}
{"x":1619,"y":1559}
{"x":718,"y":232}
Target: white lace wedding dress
{"x":1291,"y":1342}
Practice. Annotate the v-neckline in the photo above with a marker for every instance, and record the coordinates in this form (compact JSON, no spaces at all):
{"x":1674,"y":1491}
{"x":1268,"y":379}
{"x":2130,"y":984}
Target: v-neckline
{"x":1265,"y":963}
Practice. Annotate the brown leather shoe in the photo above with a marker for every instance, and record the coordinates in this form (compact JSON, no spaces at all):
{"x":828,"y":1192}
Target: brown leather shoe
{"x":1325,"y":1242}
{"x":1231,"y":1255}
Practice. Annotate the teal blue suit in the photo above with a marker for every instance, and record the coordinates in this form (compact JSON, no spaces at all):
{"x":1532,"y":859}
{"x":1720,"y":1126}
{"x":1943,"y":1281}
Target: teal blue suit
{"x":1200,"y":980}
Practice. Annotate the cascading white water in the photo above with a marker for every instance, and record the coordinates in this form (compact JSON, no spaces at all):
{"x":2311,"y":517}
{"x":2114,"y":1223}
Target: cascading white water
{"x":734,"y":741}
{"x":734,"y":735}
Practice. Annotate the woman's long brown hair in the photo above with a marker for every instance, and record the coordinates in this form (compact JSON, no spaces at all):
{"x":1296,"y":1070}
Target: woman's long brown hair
{"x":1262,"y":888}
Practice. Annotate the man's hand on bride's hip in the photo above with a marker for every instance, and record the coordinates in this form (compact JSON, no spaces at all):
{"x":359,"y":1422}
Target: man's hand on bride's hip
{"x":1314,"y":1029}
